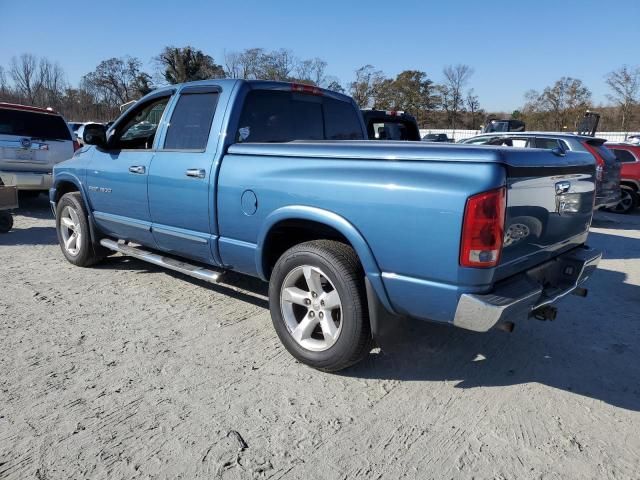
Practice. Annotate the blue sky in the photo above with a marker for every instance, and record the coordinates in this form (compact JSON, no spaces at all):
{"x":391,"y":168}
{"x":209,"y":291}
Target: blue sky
{"x":513,"y":45}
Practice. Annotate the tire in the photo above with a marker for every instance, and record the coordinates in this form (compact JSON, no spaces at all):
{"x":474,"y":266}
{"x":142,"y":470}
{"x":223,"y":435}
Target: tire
{"x":71,"y":221}
{"x":333,"y":338}
{"x":6,"y":222}
{"x":628,"y":202}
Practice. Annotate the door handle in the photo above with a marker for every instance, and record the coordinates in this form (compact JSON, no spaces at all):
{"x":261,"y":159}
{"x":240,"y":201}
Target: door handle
{"x":137,"y":169}
{"x":195,"y":172}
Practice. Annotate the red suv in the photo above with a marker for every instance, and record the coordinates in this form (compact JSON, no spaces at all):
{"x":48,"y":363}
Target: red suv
{"x":629,"y":156}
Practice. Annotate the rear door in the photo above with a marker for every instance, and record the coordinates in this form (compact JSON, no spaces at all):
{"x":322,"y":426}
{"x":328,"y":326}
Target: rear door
{"x":181,"y":183}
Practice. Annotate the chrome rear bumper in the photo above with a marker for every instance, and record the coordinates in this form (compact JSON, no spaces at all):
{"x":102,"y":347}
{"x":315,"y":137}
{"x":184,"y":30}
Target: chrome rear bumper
{"x":27,"y":180}
{"x":518,"y":296}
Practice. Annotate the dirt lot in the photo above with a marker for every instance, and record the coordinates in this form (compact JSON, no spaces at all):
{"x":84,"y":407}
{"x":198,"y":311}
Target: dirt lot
{"x":127,"y":371}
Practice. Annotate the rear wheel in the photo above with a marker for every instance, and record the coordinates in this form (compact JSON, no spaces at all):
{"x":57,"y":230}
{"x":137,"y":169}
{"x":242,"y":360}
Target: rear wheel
{"x":6,"y":222}
{"x":318,"y":305}
{"x":628,"y":201}
{"x":73,"y":231}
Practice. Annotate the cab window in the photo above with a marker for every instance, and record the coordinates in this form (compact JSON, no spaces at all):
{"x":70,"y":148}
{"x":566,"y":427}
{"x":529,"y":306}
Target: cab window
{"x":138,"y":130}
{"x":190,"y":121}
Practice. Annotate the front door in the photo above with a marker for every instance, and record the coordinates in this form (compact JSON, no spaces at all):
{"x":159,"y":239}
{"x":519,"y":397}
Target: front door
{"x":181,"y":185}
{"x":117,"y":185}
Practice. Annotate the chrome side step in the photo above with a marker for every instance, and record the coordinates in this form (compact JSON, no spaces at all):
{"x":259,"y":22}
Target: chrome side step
{"x":195,"y":271}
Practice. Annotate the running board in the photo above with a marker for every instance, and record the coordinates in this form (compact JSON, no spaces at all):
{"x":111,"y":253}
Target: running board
{"x":195,"y":271}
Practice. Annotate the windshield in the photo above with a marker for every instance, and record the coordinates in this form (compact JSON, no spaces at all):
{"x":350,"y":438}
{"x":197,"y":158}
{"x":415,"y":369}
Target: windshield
{"x":41,"y":126}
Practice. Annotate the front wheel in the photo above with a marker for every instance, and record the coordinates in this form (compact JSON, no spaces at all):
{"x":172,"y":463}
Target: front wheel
{"x":318,"y":305}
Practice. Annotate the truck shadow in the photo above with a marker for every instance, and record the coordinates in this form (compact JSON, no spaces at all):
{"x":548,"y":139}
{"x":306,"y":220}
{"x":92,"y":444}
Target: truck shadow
{"x":234,"y":285}
{"x":29,"y":236}
{"x":592,"y":349}
{"x":617,"y":221}
{"x":33,"y":207}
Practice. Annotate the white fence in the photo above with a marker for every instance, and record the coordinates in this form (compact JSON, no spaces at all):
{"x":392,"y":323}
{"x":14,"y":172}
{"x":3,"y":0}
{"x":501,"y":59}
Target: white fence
{"x":461,"y":134}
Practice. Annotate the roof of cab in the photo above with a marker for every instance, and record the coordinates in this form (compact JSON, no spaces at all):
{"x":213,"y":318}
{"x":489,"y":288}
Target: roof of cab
{"x":28,"y":108}
{"x":257,"y":85}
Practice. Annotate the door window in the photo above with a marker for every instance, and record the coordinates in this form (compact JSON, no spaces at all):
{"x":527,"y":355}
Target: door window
{"x":191,"y":121}
{"x":547,"y":143}
{"x":138,"y":130}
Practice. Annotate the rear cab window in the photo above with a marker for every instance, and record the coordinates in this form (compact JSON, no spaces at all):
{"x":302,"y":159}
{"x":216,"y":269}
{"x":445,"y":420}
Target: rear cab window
{"x":38,"y":126}
{"x":276,"y":116}
{"x":624,"y":156}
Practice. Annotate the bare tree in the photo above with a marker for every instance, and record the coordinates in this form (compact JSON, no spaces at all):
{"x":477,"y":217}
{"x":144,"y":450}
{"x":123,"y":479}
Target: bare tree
{"x":3,"y":81}
{"x":115,"y":81}
{"x":248,"y":64}
{"x":559,"y":106}
{"x":455,"y":79}
{"x":51,"y":84}
{"x":473,"y":106}
{"x":23,"y":71}
{"x":625,"y":91}
{"x":363,"y":88}
{"x":312,"y":71}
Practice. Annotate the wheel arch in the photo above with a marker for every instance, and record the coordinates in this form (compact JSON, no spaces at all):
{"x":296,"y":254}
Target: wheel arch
{"x":633,"y":184}
{"x":303,"y":223}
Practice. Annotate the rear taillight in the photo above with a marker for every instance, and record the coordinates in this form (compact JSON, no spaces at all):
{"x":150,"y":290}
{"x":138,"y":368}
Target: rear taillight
{"x":483,"y":229}
{"x":594,"y":152}
{"x":76,"y":145}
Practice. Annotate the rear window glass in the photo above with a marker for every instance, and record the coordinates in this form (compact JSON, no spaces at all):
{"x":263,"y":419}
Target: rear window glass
{"x":624,"y":155}
{"x":607,"y":155}
{"x":40,"y":126}
{"x":191,"y":121}
{"x":273,"y":116}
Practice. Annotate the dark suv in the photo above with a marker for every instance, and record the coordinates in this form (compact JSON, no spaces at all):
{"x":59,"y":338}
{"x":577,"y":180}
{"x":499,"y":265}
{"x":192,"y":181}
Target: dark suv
{"x":607,"y":165}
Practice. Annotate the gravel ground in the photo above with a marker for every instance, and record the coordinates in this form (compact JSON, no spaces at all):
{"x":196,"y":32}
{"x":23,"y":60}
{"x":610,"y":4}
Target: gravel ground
{"x":127,"y":371}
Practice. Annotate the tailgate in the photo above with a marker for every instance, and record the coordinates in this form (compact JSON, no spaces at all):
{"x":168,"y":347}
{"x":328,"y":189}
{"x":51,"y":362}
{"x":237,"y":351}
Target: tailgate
{"x":26,"y":154}
{"x":549,"y":206}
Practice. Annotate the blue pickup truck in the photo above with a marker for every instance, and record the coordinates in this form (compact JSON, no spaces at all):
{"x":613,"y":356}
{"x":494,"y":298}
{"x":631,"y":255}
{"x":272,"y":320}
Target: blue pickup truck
{"x":277,"y":181}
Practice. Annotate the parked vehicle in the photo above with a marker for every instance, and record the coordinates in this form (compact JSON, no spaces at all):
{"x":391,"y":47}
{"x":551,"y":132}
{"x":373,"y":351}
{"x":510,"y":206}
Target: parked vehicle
{"x":607,"y":166}
{"x":253,"y":177}
{"x":8,"y":202}
{"x":32,"y":141}
{"x":629,"y":156}
{"x":74,"y":126}
{"x":390,"y":125}
{"x":494,"y":125}
{"x":437,"y":137}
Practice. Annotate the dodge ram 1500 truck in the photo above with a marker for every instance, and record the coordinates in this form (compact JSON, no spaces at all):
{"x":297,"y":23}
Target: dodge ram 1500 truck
{"x":275,"y":180}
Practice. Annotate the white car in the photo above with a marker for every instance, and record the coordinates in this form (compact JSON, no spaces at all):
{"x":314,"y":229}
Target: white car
{"x":32,"y":141}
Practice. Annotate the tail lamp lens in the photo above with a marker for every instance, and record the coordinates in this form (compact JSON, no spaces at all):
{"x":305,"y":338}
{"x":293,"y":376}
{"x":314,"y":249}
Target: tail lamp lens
{"x":483,"y":229}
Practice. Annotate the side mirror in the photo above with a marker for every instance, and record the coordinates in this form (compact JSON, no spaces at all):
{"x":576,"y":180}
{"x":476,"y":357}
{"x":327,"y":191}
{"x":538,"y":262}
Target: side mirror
{"x":95,"y":134}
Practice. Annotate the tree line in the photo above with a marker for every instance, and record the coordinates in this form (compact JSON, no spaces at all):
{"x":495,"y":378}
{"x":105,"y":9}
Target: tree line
{"x":448,"y":103}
